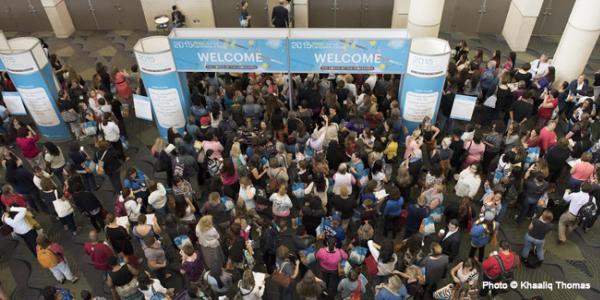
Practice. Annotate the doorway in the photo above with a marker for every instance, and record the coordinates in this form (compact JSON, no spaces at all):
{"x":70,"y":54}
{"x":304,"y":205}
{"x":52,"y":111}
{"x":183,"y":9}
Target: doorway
{"x":23,"y":16}
{"x":107,"y":14}
{"x":553,"y":17}
{"x":227,"y":13}
{"x":350,"y":13}
{"x":480,"y":16}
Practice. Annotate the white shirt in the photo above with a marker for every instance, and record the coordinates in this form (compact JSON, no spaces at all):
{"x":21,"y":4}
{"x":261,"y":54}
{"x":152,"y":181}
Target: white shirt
{"x":56,"y":162}
{"x":111,"y":131}
{"x":158,"y":198}
{"x":156,"y":287}
{"x":38,"y":180}
{"x":576,"y":201}
{"x":247,"y":195}
{"x":133,"y":209}
{"x":538,"y":69}
{"x":18,"y":223}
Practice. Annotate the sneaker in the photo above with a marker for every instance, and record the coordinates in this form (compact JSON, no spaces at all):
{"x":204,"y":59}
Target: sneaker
{"x":74,"y":279}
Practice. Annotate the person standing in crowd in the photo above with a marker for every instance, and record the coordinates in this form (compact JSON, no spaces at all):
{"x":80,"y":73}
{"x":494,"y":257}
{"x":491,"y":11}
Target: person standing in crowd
{"x":107,"y":160}
{"x":280,"y":16}
{"x":451,"y":241}
{"x":15,"y":217}
{"x":534,"y":238}
{"x":98,"y":251}
{"x":51,"y":256}
{"x":122,"y":280}
{"x":498,"y":267}
{"x":568,"y":220}
{"x":54,"y":157}
{"x":27,"y":140}
{"x":22,"y":180}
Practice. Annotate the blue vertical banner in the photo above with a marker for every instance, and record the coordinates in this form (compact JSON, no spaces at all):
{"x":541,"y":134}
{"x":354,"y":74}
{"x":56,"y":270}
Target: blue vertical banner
{"x":166,"y":88}
{"x":33,"y":77}
{"x":423,"y":84}
{"x":344,"y":55}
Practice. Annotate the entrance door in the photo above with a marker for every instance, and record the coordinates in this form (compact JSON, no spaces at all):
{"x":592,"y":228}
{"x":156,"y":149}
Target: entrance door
{"x":83,"y":14}
{"x":107,"y":14}
{"x":348,"y":13}
{"x":377,"y":13}
{"x":321,"y":14}
{"x":25,"y":16}
{"x":485,"y":16}
{"x":494,"y":15}
{"x":553,"y":17}
{"x":227,"y":13}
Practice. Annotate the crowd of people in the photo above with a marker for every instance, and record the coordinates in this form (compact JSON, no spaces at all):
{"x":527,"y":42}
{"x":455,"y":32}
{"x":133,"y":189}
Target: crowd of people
{"x":324,"y":195}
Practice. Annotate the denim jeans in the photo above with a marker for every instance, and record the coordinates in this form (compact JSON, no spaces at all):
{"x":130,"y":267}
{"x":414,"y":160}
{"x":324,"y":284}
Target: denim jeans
{"x":527,"y":208}
{"x":539,"y":247}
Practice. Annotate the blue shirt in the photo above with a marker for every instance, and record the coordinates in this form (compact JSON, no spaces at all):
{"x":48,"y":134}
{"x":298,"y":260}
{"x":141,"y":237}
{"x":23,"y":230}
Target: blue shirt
{"x":137,"y":183}
{"x":385,"y":294}
{"x":393,"y":207}
{"x":478,"y":236}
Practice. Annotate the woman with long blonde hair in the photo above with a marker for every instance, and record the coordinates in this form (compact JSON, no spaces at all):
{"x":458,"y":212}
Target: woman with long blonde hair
{"x":210,"y":246}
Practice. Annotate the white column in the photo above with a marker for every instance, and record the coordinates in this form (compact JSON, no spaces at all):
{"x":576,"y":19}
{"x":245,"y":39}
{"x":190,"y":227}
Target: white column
{"x":424,"y":17}
{"x":578,"y":40}
{"x":400,"y":13}
{"x":59,"y":17}
{"x":520,"y":22}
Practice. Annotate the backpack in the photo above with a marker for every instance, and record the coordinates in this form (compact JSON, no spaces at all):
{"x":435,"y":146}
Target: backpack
{"x":587,"y":214}
{"x":505,"y":276}
{"x":178,"y":168}
{"x":47,"y":258}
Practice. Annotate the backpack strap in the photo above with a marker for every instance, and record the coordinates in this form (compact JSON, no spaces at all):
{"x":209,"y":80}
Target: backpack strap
{"x":501,"y":264}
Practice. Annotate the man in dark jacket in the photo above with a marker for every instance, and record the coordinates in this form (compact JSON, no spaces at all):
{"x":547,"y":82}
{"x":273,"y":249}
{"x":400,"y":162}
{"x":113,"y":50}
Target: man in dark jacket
{"x":451,"y":240}
{"x":280,"y":16}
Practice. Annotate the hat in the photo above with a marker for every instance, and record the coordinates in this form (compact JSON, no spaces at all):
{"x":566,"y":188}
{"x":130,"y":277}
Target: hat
{"x":204,"y":120}
{"x":170,"y":148}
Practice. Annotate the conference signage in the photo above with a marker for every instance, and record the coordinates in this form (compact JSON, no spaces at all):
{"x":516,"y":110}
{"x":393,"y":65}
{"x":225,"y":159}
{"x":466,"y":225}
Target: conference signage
{"x":19,"y":63}
{"x":349,"y":56}
{"x":230,"y":55}
{"x":156,"y":63}
{"x":427,"y":66}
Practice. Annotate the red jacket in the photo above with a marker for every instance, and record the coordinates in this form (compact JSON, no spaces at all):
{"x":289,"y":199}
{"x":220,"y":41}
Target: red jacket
{"x":17,"y":199}
{"x":492,"y":269}
{"x":28,"y":146}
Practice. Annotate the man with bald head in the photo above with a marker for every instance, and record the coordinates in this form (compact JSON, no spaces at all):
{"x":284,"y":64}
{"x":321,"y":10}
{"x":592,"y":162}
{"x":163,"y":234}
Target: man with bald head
{"x":98,"y":251}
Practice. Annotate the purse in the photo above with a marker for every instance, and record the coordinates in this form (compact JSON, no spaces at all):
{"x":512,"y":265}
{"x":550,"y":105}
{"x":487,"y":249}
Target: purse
{"x":280,"y":278}
{"x":371,"y":264}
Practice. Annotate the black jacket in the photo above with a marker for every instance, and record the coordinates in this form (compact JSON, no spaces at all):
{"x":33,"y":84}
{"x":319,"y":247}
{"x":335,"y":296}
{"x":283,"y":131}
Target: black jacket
{"x":280,"y":17}
{"x":451,"y":245}
{"x":86,"y":201}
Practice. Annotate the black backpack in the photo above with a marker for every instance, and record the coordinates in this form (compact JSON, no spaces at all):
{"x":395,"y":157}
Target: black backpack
{"x":505,"y":276}
{"x":587,"y":214}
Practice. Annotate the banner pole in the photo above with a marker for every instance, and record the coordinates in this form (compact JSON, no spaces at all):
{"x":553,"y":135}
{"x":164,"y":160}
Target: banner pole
{"x":289,"y":62}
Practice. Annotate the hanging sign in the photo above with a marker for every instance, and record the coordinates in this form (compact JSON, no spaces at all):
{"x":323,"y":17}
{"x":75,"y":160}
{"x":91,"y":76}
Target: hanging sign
{"x":349,"y":55}
{"x":230,"y":55}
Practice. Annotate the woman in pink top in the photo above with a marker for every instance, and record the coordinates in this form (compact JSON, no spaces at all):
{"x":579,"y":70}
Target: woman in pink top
{"x":27,"y":142}
{"x":475,"y":148}
{"x":581,"y":172}
{"x":329,"y":258}
{"x":413,"y":142}
{"x":230,"y":178}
